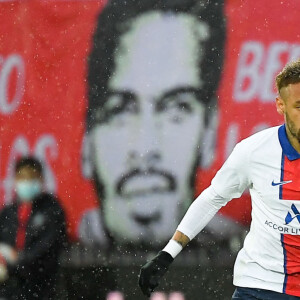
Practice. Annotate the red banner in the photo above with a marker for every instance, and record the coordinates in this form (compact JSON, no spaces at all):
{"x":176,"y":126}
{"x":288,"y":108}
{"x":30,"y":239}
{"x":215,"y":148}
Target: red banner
{"x":44,"y":46}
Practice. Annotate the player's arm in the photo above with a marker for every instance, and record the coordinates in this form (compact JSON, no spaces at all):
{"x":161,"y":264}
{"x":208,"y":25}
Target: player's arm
{"x":180,"y":238}
{"x":230,"y":182}
{"x":198,"y":215}
{"x":153,"y":271}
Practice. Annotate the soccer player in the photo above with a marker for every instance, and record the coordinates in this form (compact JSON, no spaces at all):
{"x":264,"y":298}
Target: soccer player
{"x":268,"y":163}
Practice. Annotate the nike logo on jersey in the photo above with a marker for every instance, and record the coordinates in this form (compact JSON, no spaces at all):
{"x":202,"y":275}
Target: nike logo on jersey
{"x":281,"y":182}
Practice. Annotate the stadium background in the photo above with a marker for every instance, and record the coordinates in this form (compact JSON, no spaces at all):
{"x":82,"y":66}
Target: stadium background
{"x":43,"y":50}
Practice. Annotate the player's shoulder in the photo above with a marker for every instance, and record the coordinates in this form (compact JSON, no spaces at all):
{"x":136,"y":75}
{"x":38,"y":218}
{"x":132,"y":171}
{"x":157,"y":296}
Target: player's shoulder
{"x":259,"y":138}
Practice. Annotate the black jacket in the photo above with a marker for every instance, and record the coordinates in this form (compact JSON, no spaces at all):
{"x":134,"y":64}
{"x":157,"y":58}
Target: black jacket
{"x":44,"y":239}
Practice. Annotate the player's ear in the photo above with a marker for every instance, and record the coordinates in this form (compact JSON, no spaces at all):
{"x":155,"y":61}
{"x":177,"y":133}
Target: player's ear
{"x":280,"y":105}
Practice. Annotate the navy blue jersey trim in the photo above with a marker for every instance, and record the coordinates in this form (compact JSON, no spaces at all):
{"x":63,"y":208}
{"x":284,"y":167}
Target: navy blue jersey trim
{"x":286,"y":146}
{"x":281,"y":175}
{"x":284,"y":265}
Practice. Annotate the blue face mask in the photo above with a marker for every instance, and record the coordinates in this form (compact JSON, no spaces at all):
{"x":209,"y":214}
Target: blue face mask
{"x":28,"y":189}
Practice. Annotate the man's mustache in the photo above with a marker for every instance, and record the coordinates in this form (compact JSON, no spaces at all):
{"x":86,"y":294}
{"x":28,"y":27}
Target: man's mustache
{"x":167,"y":178}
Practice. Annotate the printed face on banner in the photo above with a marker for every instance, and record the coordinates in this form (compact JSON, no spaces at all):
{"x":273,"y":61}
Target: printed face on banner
{"x":151,"y":87}
{"x":146,"y":150}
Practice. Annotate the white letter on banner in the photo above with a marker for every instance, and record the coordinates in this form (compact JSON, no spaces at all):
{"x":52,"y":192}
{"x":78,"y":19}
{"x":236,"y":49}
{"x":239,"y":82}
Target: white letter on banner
{"x":7,"y":65}
{"x":294,"y":52}
{"x":272,"y":67}
{"x":250,"y":59}
{"x":47,"y":144}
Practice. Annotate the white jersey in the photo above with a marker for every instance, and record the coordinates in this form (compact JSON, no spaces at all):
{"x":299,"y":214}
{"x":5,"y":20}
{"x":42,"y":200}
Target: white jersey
{"x":269,"y":166}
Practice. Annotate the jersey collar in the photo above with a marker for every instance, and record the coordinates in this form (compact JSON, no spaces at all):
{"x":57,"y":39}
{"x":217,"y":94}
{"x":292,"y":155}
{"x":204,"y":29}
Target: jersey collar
{"x":286,"y":146}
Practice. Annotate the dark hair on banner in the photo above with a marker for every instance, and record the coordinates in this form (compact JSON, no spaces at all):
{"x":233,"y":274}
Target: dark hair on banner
{"x":115,"y":19}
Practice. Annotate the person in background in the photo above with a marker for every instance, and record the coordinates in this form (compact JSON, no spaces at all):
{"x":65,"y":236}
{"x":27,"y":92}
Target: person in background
{"x":32,"y":234}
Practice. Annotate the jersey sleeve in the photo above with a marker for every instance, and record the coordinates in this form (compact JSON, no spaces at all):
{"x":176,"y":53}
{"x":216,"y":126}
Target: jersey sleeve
{"x":233,"y":177}
{"x":230,"y":182}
